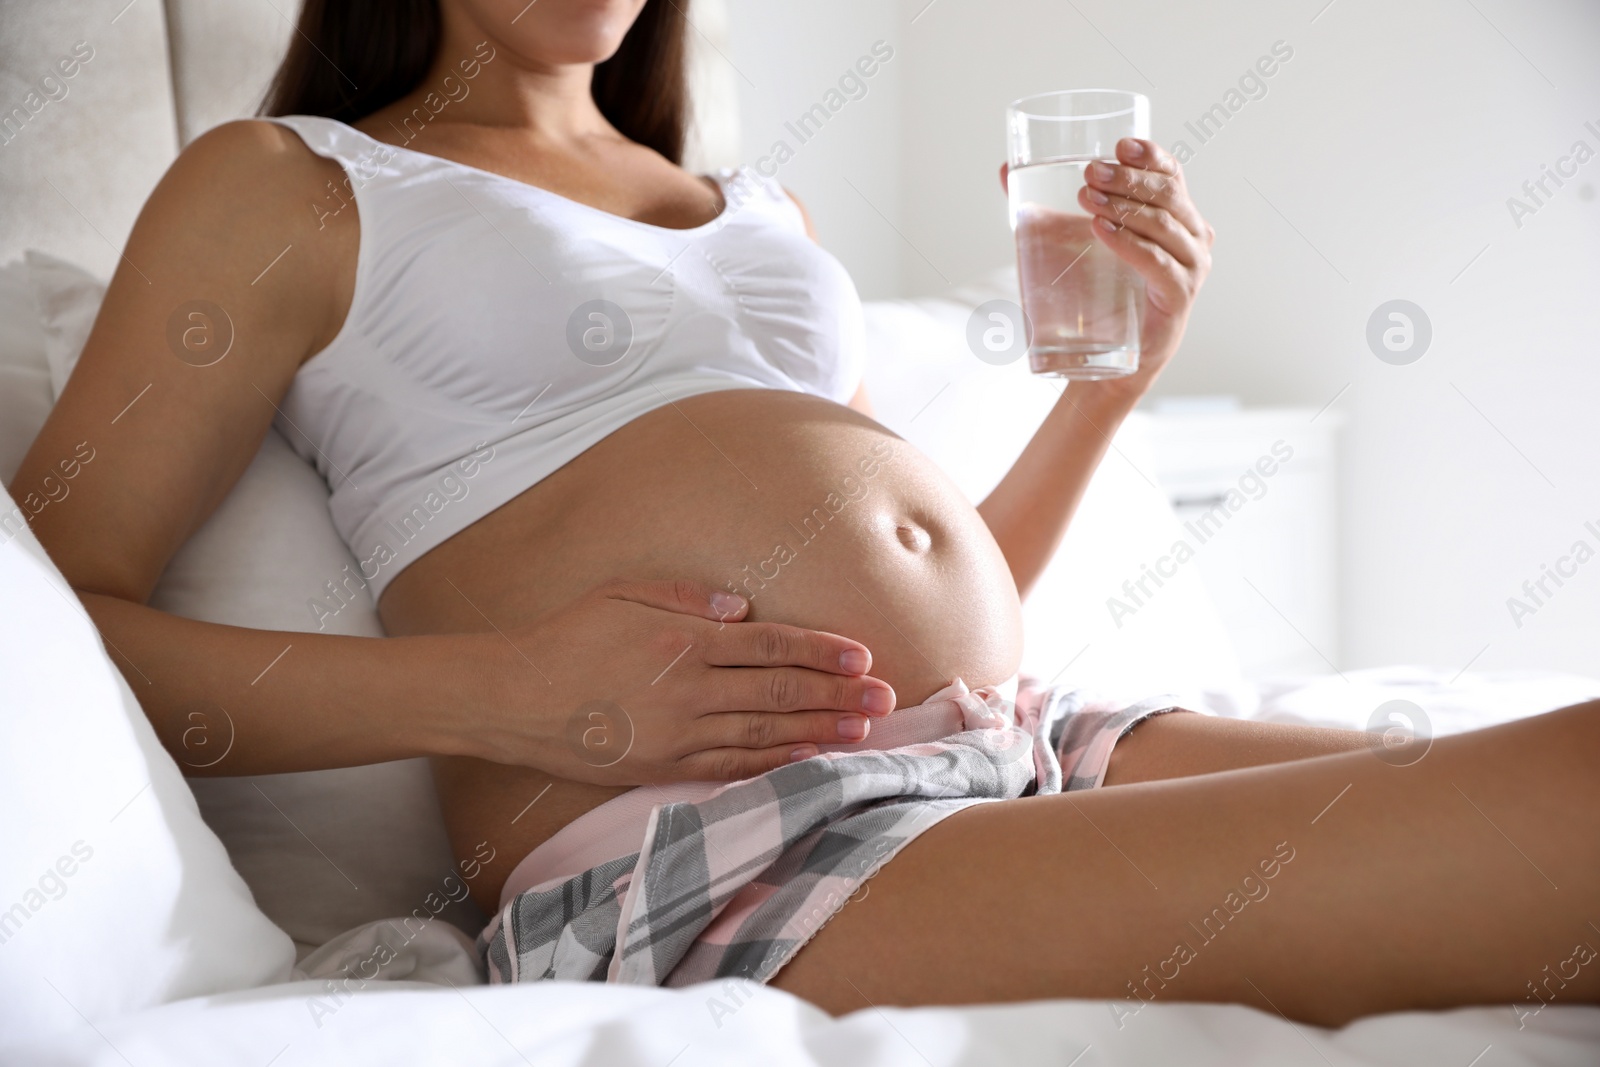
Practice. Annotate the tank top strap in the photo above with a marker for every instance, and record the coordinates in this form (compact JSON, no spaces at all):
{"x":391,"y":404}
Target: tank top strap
{"x":362,"y":156}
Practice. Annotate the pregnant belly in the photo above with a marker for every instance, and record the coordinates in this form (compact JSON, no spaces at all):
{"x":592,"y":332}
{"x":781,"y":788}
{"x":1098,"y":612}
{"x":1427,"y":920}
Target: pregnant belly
{"x":819,"y":515}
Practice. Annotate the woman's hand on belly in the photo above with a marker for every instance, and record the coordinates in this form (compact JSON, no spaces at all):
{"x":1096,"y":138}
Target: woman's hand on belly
{"x":813,"y":513}
{"x":655,"y":681}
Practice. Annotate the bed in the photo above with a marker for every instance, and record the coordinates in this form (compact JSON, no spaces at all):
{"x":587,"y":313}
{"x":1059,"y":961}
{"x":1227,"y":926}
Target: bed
{"x":147,"y":917}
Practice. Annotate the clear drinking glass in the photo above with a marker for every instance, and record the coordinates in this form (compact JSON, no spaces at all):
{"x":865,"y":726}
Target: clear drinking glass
{"x":1084,"y":305}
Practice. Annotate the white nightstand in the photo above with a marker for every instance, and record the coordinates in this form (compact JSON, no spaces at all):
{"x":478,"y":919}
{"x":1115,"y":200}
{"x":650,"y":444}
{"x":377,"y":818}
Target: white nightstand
{"x":1257,"y":494}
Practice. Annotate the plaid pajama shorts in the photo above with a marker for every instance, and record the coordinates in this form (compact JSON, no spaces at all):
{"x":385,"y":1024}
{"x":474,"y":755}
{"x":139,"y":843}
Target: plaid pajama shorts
{"x":734,"y":884}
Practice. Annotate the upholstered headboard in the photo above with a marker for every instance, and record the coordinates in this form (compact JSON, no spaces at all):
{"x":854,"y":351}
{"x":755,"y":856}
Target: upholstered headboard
{"x":97,"y":96}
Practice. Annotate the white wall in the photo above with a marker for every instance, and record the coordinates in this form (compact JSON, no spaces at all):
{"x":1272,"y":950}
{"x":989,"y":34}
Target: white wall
{"x":787,"y":57}
{"x":1376,"y":166}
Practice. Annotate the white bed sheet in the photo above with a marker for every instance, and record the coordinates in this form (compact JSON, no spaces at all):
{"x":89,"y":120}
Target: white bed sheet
{"x":435,"y":1014}
{"x":560,"y":1024}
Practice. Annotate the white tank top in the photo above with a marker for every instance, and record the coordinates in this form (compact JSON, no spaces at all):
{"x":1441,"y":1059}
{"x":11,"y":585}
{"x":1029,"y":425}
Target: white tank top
{"x":497,"y":330}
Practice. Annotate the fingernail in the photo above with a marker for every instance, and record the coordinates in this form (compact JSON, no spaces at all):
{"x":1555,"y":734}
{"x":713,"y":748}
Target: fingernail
{"x":726,"y":603}
{"x":1098,"y":197}
{"x":877,"y":701}
{"x":1134,"y":149}
{"x":853,"y":661}
{"x":853,"y":727}
{"x":1102,"y":171}
{"x":1105,"y":225}
{"x":803,"y":752}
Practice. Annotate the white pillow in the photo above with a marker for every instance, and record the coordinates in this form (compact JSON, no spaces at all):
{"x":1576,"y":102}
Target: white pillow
{"x":973,"y":418}
{"x":323,"y":851}
{"x":25,"y":394}
{"x":114,"y":895}
{"x":68,"y":299}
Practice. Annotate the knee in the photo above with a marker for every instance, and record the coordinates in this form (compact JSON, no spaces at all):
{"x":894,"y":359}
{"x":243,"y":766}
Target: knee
{"x":1570,"y":736}
{"x":1585,"y":715}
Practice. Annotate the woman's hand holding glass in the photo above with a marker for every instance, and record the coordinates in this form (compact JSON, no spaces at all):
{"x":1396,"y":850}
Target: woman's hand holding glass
{"x":1143,"y":214}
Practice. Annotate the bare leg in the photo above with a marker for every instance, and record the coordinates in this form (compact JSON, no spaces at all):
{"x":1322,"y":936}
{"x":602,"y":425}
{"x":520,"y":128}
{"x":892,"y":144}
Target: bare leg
{"x":1179,"y":744}
{"x":1327,"y":888}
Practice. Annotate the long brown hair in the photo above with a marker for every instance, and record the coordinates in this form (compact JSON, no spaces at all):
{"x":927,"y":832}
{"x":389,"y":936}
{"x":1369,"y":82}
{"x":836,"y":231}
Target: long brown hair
{"x":353,"y":57}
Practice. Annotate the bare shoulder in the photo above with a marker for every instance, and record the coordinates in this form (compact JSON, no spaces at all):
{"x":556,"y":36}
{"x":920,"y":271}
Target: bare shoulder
{"x":244,"y":197}
{"x":246,"y":144}
{"x":229,"y":281}
{"x":248,"y":167}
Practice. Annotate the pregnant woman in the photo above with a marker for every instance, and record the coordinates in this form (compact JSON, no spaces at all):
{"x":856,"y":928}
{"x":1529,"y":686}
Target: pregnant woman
{"x":593,"y":426}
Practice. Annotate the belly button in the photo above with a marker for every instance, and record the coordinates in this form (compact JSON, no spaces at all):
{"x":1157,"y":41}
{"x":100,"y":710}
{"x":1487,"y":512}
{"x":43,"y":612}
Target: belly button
{"x":913,"y":536}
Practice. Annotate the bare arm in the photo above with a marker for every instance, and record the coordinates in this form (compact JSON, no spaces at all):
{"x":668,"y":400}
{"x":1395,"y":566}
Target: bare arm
{"x":1028,"y":512}
{"x":226,"y":700}
{"x":1148,"y":221}
{"x":172,"y":430}
{"x":172,"y":427}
